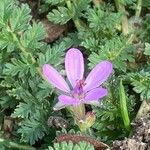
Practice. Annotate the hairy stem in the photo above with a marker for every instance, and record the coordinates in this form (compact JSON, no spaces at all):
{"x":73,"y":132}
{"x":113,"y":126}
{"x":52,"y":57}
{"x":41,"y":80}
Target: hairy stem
{"x":78,"y":112}
{"x":78,"y":23}
{"x":15,"y":145}
{"x":22,"y":48}
{"x":97,"y":2}
{"x":124,"y":23}
{"x":129,"y":41}
{"x":138,"y":8}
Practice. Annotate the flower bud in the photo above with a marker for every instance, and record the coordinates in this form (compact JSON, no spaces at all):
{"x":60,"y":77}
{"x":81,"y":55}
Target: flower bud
{"x":88,"y":121}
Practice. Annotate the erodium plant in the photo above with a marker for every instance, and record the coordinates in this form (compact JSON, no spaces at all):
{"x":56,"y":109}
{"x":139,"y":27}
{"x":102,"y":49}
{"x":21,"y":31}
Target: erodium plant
{"x":108,"y":32}
{"x":80,"y":91}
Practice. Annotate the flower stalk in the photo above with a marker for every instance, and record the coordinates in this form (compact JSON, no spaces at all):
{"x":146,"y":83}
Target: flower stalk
{"x":138,"y":8}
{"x":78,"y":23}
{"x":78,"y":112}
{"x":15,"y":145}
{"x":124,"y":22}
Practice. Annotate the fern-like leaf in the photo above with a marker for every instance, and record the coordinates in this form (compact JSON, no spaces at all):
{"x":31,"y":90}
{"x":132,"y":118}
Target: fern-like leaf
{"x":71,"y":146}
{"x":59,"y":16}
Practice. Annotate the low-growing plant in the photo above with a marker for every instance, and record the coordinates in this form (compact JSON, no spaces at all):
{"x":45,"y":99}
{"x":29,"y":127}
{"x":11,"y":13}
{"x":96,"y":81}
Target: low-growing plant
{"x":111,"y":38}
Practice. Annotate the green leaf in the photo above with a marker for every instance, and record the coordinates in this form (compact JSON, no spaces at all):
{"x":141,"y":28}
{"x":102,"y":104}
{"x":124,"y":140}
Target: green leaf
{"x":147,"y":49}
{"x":52,"y":2}
{"x":20,"y":67}
{"x":31,"y":38}
{"x":20,"y":21}
{"x":78,"y":7}
{"x":70,"y":146}
{"x":71,"y":40}
{"x":129,"y":2}
{"x":146,"y":3}
{"x":6,"y":7}
{"x":53,"y":55}
{"x":6,"y":40}
{"x":115,"y":50}
{"x":59,"y":16}
{"x":45,"y":90}
{"x":7,"y":102}
{"x":103,"y":21}
{"x":91,"y":43}
{"x":141,"y":83}
{"x":33,"y":129}
{"x":123,"y":106}
{"x":95,"y":17}
{"x":24,"y":110}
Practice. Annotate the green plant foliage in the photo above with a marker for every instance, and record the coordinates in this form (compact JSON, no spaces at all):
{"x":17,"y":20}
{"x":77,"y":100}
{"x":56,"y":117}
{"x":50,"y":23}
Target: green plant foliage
{"x":71,"y":146}
{"x":19,"y":67}
{"x":33,"y":129}
{"x":5,"y":9}
{"x":31,"y":39}
{"x":146,"y":26}
{"x":102,"y":21}
{"x":123,"y":106}
{"x":24,"y":110}
{"x":60,"y":16}
{"x":115,"y":50}
{"x":23,"y":52}
{"x":51,"y":2}
{"x":141,"y":83}
{"x":51,"y":55}
{"x":73,"y":11}
{"x":102,"y":31}
{"x":147,"y":49}
{"x":21,"y":22}
{"x":78,"y":7}
{"x":109,"y":124}
{"x":129,"y":2}
{"x":145,"y":3}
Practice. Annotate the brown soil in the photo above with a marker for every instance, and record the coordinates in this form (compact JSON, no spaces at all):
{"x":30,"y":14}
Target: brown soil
{"x":140,"y":139}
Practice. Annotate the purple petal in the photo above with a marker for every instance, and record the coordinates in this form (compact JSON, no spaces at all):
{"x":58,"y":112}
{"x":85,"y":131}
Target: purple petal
{"x":95,"y":94}
{"x":74,"y":65}
{"x":58,"y":106}
{"x":67,"y":100}
{"x":94,"y":102}
{"x":54,"y":78}
{"x":98,"y":75}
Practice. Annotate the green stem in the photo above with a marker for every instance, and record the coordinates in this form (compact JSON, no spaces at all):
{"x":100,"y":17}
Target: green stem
{"x":23,"y":49}
{"x":97,"y":2}
{"x":78,"y":112}
{"x":78,"y":23}
{"x":15,"y":145}
{"x":138,"y":8}
{"x":129,"y":41}
{"x":19,"y":44}
{"x":124,"y":22}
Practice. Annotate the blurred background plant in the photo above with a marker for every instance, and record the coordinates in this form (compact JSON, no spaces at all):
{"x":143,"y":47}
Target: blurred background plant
{"x":35,"y":32}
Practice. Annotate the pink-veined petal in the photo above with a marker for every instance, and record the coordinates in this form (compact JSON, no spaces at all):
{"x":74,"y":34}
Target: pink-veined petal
{"x":74,"y":65}
{"x":98,"y":75}
{"x":54,"y":78}
{"x":67,"y":100}
{"x":95,"y":94}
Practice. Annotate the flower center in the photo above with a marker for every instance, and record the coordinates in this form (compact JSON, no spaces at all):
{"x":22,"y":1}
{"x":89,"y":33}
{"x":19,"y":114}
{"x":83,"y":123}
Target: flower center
{"x":78,"y":90}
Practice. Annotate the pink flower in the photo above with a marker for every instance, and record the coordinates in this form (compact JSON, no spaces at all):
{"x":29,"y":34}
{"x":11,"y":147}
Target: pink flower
{"x":82,"y":91}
